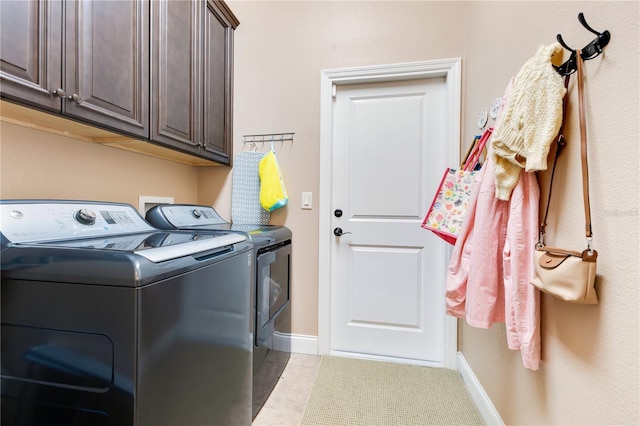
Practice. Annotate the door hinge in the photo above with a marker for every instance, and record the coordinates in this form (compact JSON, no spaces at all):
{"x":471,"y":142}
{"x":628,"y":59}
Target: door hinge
{"x":334,"y":91}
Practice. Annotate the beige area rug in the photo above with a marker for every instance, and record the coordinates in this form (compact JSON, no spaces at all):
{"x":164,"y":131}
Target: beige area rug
{"x":359,"y":392}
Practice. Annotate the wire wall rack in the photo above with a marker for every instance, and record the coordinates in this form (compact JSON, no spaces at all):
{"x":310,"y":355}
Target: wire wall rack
{"x":268,"y":138}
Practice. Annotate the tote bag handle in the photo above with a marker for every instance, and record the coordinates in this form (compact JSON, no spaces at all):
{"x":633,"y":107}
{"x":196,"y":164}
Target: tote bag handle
{"x":473,"y":158}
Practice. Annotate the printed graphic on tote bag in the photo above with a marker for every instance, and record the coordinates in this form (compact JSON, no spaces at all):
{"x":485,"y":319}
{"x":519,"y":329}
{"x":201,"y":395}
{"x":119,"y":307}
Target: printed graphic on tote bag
{"x":451,"y":201}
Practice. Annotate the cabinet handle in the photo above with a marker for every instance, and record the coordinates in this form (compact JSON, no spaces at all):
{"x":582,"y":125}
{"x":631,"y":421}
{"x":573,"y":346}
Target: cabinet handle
{"x":75,"y":98}
{"x":60,"y":93}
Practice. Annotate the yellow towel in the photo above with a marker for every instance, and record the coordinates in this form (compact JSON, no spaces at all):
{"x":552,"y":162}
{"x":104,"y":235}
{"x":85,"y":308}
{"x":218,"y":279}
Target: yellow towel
{"x":273,"y":193}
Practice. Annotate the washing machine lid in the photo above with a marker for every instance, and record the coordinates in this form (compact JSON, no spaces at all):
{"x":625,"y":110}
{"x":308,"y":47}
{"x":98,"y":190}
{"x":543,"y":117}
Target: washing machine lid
{"x":155,"y":246}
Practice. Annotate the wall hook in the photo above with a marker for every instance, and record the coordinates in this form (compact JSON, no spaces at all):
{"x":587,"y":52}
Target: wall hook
{"x":590,"y":51}
{"x":561,"y":41}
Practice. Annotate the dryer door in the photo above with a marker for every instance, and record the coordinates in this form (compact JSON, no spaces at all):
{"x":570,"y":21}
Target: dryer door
{"x":273,"y":281}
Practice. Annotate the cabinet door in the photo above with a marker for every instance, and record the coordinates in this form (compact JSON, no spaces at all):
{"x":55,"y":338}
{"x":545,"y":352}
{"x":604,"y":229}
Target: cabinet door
{"x":107,"y":63}
{"x":175,"y":73}
{"x":219,"y":24}
{"x":30,"y":52}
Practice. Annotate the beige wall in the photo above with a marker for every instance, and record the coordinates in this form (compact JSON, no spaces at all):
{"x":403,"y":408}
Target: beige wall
{"x":36,"y":164}
{"x":589,"y":372}
{"x":589,"y":369}
{"x":280,"y":49}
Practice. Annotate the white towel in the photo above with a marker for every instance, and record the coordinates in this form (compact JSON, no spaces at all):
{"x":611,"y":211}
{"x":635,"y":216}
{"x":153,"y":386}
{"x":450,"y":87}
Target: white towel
{"x":245,"y":190}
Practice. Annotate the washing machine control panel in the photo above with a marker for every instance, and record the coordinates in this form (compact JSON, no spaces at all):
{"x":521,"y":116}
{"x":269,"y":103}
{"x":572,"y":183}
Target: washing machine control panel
{"x":48,"y":221}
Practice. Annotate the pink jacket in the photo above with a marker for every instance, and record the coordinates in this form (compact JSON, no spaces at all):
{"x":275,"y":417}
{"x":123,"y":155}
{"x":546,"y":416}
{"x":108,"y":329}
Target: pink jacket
{"x":492,"y":263}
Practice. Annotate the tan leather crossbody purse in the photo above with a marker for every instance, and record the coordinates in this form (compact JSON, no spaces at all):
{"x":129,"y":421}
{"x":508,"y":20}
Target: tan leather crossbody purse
{"x":567,"y":274}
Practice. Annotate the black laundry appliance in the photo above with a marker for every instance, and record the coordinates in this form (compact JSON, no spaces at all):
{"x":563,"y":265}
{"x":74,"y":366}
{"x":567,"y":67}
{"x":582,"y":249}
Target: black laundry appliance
{"x":271,"y":299}
{"x":109,"y":321}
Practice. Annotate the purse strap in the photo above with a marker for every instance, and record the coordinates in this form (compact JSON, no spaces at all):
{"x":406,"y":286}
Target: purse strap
{"x":583,"y":144}
{"x":561,"y":144}
{"x":585,"y":166}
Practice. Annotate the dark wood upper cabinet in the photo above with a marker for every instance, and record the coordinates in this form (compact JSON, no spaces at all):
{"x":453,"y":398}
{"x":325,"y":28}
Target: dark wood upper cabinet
{"x":175,"y":73}
{"x":192,"y":71}
{"x":31,"y":52}
{"x":159,"y":70}
{"x":219,"y":25}
{"x":99,"y":74}
{"x":107,"y":63}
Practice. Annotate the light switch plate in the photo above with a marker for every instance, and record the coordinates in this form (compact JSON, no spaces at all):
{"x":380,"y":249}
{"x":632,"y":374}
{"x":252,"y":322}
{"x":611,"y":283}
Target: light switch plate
{"x":307,"y":200}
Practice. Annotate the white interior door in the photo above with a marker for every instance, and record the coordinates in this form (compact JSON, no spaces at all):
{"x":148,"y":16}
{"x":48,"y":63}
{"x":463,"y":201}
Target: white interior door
{"x":387,"y":273}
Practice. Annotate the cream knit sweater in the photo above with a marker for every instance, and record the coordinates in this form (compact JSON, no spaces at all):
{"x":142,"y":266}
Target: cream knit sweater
{"x":530,"y":120}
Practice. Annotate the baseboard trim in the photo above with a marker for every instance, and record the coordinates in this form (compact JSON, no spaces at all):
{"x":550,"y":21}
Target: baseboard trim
{"x":485,"y":407}
{"x":298,"y":343}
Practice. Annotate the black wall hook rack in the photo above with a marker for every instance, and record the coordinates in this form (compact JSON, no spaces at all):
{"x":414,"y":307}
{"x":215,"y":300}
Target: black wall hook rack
{"x":590,"y":51}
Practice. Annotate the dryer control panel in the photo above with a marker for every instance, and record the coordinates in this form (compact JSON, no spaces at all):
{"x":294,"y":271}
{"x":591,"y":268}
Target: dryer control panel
{"x":183,"y":216}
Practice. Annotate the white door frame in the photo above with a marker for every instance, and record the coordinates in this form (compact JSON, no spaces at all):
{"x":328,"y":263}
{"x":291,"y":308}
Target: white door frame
{"x":451,"y":70}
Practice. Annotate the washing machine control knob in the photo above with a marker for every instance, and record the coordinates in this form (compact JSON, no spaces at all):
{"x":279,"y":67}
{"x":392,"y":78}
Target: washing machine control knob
{"x":196,"y":213}
{"x":85,"y":216}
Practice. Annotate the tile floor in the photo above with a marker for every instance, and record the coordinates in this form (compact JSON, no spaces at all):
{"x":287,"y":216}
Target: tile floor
{"x":285,"y":406}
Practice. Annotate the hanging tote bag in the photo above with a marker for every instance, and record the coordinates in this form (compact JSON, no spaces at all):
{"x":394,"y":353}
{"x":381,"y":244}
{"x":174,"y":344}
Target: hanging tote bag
{"x":566,"y":274}
{"x":446,"y":213}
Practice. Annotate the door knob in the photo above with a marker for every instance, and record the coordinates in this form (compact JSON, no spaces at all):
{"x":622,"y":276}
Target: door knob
{"x":338,"y":232}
